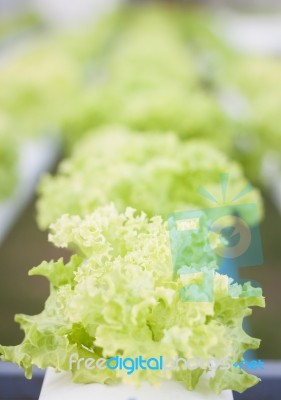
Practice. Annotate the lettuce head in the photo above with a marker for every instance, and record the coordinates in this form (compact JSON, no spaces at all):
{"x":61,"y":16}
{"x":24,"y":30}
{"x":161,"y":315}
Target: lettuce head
{"x":157,"y":174}
{"x":119,"y":295}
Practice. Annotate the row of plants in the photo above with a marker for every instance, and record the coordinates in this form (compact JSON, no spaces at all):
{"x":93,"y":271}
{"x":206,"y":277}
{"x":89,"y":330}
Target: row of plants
{"x":249,"y":84}
{"x":38,"y":88}
{"x":67,"y":84}
{"x":151,"y":64}
{"x":236,"y":94}
{"x":144,"y":127}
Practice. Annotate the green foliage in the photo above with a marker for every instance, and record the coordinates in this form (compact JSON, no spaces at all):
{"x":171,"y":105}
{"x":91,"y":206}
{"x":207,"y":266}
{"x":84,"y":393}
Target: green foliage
{"x":118,"y":296}
{"x":155,"y":173}
{"x":150,"y":81}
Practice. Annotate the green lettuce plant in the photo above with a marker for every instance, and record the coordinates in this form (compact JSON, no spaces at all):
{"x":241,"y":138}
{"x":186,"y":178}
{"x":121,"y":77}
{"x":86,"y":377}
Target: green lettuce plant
{"x":155,"y":173}
{"x":259,"y":82}
{"x":150,"y":82}
{"x":118,"y":295}
{"x":32,"y":88}
{"x":42,"y":86}
{"x":249,"y":85}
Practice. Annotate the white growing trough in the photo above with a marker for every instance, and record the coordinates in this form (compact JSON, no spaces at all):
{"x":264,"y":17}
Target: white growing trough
{"x":58,"y":386}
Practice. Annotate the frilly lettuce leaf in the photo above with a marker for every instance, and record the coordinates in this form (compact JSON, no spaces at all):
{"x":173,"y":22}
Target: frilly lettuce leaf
{"x":119,"y":295}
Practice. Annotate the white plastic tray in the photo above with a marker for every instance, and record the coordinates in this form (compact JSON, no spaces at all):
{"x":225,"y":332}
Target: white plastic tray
{"x":35,"y":158}
{"x":60,"y":387}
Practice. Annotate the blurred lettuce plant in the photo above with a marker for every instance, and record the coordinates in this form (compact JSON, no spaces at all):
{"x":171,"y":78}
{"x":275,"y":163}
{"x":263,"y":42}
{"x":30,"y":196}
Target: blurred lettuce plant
{"x":33,"y":87}
{"x":259,"y":80}
{"x":155,"y":173}
{"x":41,"y":87}
{"x":249,"y":85}
{"x":150,"y":82}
